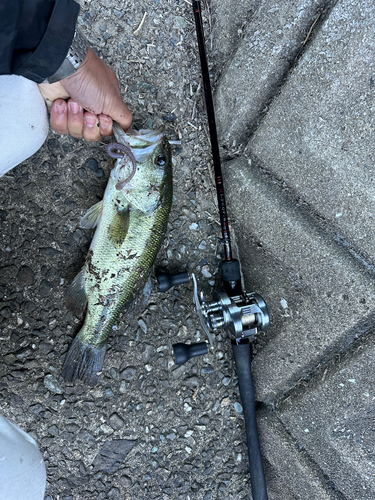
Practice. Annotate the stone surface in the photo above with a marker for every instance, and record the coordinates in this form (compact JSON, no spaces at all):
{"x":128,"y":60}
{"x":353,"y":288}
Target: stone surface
{"x":302,"y":198}
{"x":333,"y":422}
{"x":270,"y":42}
{"x":230,"y":22}
{"x":290,"y":471}
{"x":318,"y":136}
{"x":112,"y":454}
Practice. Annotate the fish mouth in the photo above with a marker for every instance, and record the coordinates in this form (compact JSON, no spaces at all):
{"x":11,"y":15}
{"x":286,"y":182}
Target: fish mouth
{"x":136,"y":147}
{"x":138,"y":138}
{"x":141,"y":142}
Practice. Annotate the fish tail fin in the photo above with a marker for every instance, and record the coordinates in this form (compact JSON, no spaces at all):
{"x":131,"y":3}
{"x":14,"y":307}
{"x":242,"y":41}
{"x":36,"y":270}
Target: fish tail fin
{"x":83,"y":362}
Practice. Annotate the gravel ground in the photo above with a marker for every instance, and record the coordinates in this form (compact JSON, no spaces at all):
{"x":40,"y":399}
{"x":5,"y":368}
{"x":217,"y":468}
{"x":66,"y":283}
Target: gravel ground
{"x":149,"y":430}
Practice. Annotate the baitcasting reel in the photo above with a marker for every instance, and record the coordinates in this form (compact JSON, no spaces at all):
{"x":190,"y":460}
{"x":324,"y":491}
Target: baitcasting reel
{"x":239,"y":313}
{"x":240,"y":316}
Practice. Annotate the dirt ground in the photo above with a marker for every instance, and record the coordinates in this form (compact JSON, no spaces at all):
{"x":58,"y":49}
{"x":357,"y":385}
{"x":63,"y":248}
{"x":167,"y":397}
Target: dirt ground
{"x":149,"y":430}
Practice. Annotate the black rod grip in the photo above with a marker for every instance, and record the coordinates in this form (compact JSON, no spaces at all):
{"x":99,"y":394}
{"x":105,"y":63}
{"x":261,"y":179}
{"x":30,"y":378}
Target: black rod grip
{"x":241,"y":354}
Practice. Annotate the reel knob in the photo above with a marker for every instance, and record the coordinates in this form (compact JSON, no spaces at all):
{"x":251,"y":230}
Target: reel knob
{"x":184,"y":352}
{"x":167,"y":280}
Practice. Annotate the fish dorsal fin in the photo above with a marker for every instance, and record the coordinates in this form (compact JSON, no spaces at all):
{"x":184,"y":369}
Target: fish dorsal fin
{"x":76,"y":298}
{"x":118,"y":229}
{"x":92,"y":216}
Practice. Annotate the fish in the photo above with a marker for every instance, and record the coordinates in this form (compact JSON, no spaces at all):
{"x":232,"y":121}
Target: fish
{"x":130,"y":223}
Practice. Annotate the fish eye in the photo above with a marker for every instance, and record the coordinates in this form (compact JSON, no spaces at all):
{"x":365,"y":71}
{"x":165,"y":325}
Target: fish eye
{"x":160,"y":160}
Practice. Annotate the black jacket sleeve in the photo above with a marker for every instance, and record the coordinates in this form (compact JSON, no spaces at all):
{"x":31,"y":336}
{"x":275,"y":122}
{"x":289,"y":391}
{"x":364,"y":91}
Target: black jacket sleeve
{"x":35,"y":36}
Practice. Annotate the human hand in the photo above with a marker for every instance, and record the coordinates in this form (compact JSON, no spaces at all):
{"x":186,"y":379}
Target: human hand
{"x":95,"y":100}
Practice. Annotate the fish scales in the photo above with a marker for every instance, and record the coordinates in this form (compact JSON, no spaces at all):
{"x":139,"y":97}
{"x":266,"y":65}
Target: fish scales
{"x":118,"y":288}
{"x":131,"y":221}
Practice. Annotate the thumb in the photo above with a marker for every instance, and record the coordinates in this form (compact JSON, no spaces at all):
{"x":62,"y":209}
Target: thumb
{"x":121,"y":114}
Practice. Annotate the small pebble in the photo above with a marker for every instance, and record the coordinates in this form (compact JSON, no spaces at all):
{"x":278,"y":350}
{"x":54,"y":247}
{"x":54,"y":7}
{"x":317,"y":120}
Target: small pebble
{"x":187,"y":407}
{"x":128,"y":373}
{"x":116,"y":422}
{"x":284,"y":304}
{"x":143,"y":325}
{"x":52,"y":384}
{"x":238,"y":407}
{"x":206,"y":271}
{"x":180,"y":22}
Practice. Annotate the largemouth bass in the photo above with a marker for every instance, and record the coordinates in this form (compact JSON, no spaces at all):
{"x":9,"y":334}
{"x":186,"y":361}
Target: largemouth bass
{"x":130,"y":224}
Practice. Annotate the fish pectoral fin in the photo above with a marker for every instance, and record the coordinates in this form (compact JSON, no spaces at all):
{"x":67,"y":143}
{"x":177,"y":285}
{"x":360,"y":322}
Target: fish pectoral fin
{"x":92,"y":216}
{"x":76,"y":298}
{"x":118,"y":229}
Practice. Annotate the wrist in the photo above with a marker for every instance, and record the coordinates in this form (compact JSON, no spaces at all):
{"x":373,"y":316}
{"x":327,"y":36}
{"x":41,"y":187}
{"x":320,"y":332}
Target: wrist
{"x":73,"y":60}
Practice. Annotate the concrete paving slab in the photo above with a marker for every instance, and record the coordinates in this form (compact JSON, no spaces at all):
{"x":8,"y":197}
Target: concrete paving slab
{"x":333,"y":421}
{"x":331,"y":299}
{"x":319,"y":134}
{"x":303,"y":200}
{"x":271,"y":41}
{"x":290,"y":472}
{"x":231,"y":18}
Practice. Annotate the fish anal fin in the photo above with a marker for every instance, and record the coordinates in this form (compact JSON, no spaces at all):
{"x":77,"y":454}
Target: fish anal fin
{"x":83,"y":362}
{"x":92,"y":216}
{"x":76,"y":298}
{"x":118,"y":229}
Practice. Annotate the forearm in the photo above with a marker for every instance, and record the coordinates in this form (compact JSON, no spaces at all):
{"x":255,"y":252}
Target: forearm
{"x":35,"y":36}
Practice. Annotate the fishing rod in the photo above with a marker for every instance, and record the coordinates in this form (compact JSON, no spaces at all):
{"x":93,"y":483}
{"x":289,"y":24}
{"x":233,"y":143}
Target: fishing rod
{"x":242,"y":315}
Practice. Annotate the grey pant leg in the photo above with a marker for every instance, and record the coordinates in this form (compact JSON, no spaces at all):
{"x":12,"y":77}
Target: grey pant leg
{"x":22,"y":469}
{"x":23,"y":120}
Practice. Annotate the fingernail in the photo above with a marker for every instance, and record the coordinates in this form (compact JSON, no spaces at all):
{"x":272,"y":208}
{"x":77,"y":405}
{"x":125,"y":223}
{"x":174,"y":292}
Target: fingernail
{"x":74,"y":107}
{"x":105,"y":122}
{"x":90,"y":121}
{"x":59,"y":108}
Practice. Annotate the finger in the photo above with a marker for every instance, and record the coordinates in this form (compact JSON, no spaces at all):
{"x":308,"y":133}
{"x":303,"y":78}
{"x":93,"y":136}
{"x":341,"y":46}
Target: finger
{"x":105,"y":125}
{"x":51,"y":92}
{"x":75,"y":119}
{"x":59,"y":116}
{"x":121,"y":114}
{"x":91,"y":130}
